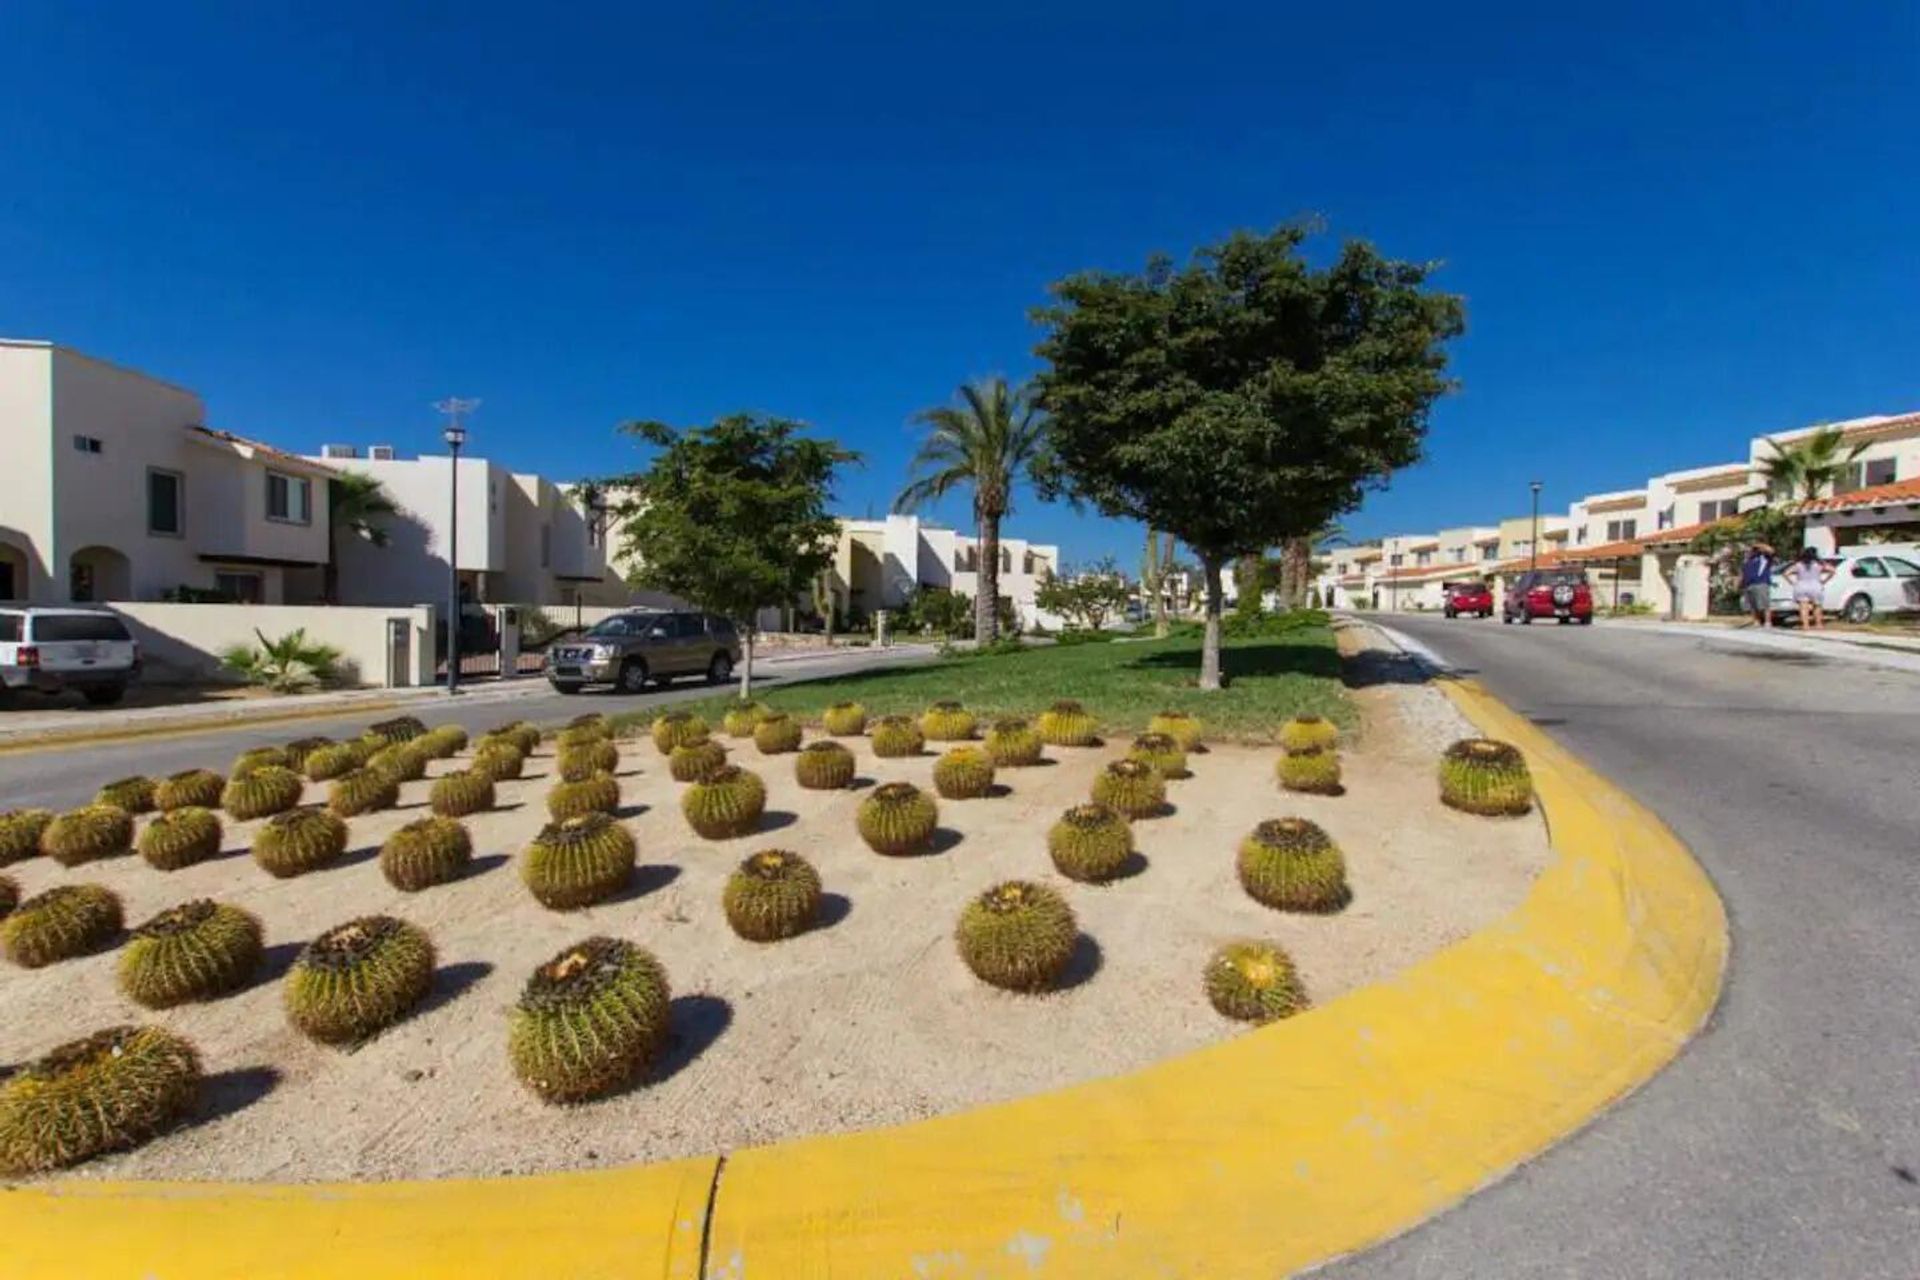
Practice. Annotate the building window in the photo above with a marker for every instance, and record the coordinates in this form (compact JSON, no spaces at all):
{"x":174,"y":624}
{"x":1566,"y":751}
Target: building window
{"x":289,"y":498}
{"x":1490,"y":552}
{"x":1665,"y":519}
{"x":1581,"y":534}
{"x":1395,"y":559}
{"x":1621,"y":530}
{"x":1719,"y":510}
{"x":239,"y":586}
{"x":546,"y":546}
{"x":166,"y":502}
{"x":1423,"y":559}
{"x":87,"y":444}
{"x":1864,"y":475}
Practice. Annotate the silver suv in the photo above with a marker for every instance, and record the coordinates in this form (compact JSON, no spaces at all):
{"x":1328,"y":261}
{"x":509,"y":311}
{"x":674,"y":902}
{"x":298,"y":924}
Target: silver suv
{"x":52,"y":650}
{"x":629,"y":649}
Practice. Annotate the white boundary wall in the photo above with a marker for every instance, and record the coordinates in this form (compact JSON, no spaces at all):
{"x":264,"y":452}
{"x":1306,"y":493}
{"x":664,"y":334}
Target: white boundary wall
{"x":182,"y":643}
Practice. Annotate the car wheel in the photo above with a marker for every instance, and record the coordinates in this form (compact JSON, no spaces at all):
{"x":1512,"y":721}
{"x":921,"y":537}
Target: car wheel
{"x":564,"y":688}
{"x":1506,"y":619}
{"x":106,"y":695}
{"x":1587,"y":621}
{"x":633,"y":676}
{"x":1860,"y":609}
{"x":720,"y":670}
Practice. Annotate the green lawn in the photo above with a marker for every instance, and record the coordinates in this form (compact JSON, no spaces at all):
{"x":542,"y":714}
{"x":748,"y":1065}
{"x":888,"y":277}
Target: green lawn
{"x":1270,"y":679}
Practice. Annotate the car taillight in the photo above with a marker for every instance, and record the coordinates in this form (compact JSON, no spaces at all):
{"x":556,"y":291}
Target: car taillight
{"x":27,"y":656}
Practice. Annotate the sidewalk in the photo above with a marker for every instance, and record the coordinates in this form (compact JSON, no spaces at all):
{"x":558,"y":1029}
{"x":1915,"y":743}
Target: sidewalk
{"x":1861,"y":647}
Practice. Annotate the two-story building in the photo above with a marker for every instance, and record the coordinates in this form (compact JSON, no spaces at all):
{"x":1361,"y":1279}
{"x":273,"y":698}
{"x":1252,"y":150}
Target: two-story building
{"x":880,"y":563}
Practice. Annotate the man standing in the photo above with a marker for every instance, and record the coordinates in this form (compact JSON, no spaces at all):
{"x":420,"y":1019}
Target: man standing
{"x":1756,"y":584}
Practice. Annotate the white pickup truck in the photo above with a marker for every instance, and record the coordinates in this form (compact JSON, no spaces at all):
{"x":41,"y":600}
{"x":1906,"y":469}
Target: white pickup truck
{"x":52,"y":650}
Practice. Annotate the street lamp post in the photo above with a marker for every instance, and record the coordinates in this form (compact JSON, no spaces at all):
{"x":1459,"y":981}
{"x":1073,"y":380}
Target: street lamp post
{"x":454,"y":409}
{"x":1533,"y":547}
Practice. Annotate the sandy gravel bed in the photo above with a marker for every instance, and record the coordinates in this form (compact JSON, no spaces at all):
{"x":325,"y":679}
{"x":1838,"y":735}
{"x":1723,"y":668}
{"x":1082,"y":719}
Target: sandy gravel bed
{"x":868,"y":1020}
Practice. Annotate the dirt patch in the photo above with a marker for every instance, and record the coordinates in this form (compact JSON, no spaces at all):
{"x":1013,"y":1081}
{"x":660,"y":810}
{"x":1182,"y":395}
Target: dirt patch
{"x":868,"y":1020}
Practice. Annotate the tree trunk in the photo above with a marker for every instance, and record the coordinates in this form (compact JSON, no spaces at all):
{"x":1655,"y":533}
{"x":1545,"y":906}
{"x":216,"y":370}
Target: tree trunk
{"x":1210,"y":645}
{"x":986,"y":604}
{"x":746,"y":662}
{"x":1296,"y":566}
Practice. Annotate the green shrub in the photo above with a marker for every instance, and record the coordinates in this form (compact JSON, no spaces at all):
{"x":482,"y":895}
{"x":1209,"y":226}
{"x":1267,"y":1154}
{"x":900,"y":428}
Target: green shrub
{"x":946,"y":722}
{"x":285,"y":664}
{"x":1254,"y":982}
{"x":1479,"y":775}
{"x":742,"y":718}
{"x":328,"y":763}
{"x":111,"y":1091}
{"x":897,"y":818}
{"x":198,"y":950}
{"x":403,"y":761}
{"x":301,"y":840}
{"x":1314,"y":771}
{"x":20,"y":832}
{"x":65,"y":921}
{"x":963,"y":773}
{"x":499,"y":759}
{"x":1091,"y":843}
{"x":259,"y":758}
{"x":896,"y":736}
{"x":578,"y":761}
{"x":774,"y":894}
{"x":358,"y":978}
{"x":1018,"y":935}
{"x":597,"y":794}
{"x":1134,"y":789}
{"x":261,"y":792}
{"x":727,"y":802}
{"x":1067,"y":724}
{"x":135,"y":794}
{"x":1290,"y":864}
{"x":180,"y":837}
{"x":1309,"y":733}
{"x":695,"y":760}
{"x":824,"y":766}
{"x":426,"y":852}
{"x":777,"y":734}
{"x":589,"y":1021}
{"x":1183,"y":727}
{"x":190,"y":789}
{"x":366,"y":790}
{"x":1013,"y":743}
{"x":578,"y":862}
{"x":87,"y":834}
{"x":444,"y":741}
{"x":397,"y":730}
{"x":677,"y":729}
{"x":456,"y":795}
{"x":1163,"y":752}
{"x":845,"y":719}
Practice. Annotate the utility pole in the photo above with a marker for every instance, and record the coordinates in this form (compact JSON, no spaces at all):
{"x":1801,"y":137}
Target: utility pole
{"x":454,"y":410}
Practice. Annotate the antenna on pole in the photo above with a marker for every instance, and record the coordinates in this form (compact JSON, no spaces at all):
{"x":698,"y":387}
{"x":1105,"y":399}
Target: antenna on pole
{"x":453,"y":409}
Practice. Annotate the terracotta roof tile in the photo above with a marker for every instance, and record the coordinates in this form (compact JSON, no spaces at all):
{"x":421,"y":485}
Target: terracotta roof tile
{"x":1878,"y":495}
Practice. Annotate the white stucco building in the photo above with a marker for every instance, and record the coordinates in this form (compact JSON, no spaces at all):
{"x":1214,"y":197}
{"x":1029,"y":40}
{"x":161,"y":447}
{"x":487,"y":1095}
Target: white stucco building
{"x":879,"y":564}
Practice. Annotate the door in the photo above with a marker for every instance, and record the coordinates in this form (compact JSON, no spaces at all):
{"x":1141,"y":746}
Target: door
{"x":689,"y":644}
{"x":1906,"y":583}
{"x":1868,"y":576}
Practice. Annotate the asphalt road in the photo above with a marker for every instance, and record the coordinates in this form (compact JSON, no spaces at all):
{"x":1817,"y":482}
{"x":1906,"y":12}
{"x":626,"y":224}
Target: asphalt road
{"x":61,"y":777}
{"x":1785,"y":1141}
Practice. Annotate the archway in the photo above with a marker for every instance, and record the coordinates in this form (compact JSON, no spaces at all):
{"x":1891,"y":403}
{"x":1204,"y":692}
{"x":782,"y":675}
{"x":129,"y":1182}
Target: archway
{"x":96,"y":574}
{"x":14,"y":581}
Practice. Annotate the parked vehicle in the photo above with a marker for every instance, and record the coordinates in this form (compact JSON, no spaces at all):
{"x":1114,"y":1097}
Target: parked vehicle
{"x":1562,"y":594}
{"x":52,"y":650}
{"x":1867,"y":582}
{"x":629,"y":649}
{"x":1472,"y":598}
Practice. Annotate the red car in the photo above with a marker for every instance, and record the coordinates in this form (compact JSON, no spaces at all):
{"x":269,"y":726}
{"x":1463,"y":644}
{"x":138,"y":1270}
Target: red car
{"x":1563,"y":594}
{"x":1475,"y":598}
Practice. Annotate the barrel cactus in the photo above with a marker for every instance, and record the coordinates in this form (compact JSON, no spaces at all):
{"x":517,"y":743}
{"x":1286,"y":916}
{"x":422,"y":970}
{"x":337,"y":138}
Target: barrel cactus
{"x":897,"y":818}
{"x":695,"y":760}
{"x":777,"y":734}
{"x":946,"y":721}
{"x":328,"y":763}
{"x":1254,"y":982}
{"x":198,"y":950}
{"x":87,"y":834}
{"x":1091,"y":843}
{"x":398,"y":729}
{"x":180,"y":837}
{"x":111,"y":1091}
{"x":1182,"y":726}
{"x":677,"y":729}
{"x":403,"y":761}
{"x":824,"y":766}
{"x":1314,"y":771}
{"x":577,"y":761}
{"x":1068,"y":724}
{"x":426,"y":852}
{"x":727,"y":802}
{"x":1018,"y":935}
{"x":9,"y":895}
{"x":20,"y":832}
{"x":261,"y":792}
{"x":1308,"y":733}
{"x":844,"y":719}
{"x":66,"y":921}
{"x":363,"y":790}
{"x":593,"y":724}
{"x":741,"y":718}
{"x":963,"y":773}
{"x":1290,"y":864}
{"x":518,"y":732}
{"x":301,"y":840}
{"x":1014,"y":743}
{"x":772,"y":895}
{"x":578,"y":862}
{"x":191,"y":788}
{"x":134,"y":794}
{"x":260,"y":758}
{"x":1135,"y":789}
{"x":1479,"y":775}
{"x":1161,"y":750}
{"x":455,"y":795}
{"x":358,"y":978}
{"x":444,"y":741}
{"x":589,"y":1021}
{"x":499,"y":759}
{"x":599,"y":793}
{"x":896,"y":736}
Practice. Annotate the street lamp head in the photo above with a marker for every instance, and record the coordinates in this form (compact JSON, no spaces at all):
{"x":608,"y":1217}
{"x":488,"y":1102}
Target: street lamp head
{"x":455,"y":435}
{"x":1535,"y":486}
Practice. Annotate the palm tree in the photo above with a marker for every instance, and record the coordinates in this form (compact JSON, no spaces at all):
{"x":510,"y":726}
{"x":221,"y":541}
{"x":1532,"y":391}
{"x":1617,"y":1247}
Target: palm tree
{"x":1297,"y":556}
{"x":985,"y":440}
{"x":1807,"y":470}
{"x":357,"y":503}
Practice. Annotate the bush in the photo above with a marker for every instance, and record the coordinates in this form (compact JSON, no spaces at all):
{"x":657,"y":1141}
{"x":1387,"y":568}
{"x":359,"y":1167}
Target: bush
{"x":20,"y":832}
{"x":302,"y":840}
{"x":824,"y":766}
{"x":1290,"y":864}
{"x":774,"y":894}
{"x":578,"y":862}
{"x":1067,"y":724}
{"x":455,"y":795}
{"x":597,"y":794}
{"x":426,"y":852}
{"x":897,"y":818}
{"x":1479,"y":775}
{"x":499,"y":759}
{"x":262,"y":792}
{"x":845,"y":719}
{"x":1162,"y":751}
{"x":87,"y":834}
{"x":589,"y":1021}
{"x":741,"y":718}
{"x":1309,"y":733}
{"x":1091,"y":843}
{"x":288,"y":664}
{"x":1133,"y":789}
{"x":696,"y":760}
{"x":894,"y":737}
{"x":1263,"y":626}
{"x":1253,"y":982}
{"x":963,"y":773}
{"x":677,"y":729}
{"x":1181,"y":726}
{"x":66,"y":921}
{"x":1313,"y":771}
{"x":180,"y":837}
{"x":777,"y":734}
{"x":359,"y":791}
{"x":196,"y":951}
{"x":1018,"y":935}
{"x":1013,"y":743}
{"x":946,"y":722}
{"x":577,"y":761}
{"x":727,"y":802}
{"x":135,"y":795}
{"x":328,"y":763}
{"x":358,"y":979}
{"x":190,"y":789}
{"x":1071,"y":636}
{"x":111,"y":1091}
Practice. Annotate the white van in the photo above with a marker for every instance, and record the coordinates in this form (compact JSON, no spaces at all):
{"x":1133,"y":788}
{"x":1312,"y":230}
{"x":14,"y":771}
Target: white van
{"x":52,"y":650}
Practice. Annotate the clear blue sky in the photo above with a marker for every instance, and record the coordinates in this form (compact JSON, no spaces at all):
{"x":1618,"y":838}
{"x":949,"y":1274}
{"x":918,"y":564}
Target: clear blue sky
{"x":1674,"y":229}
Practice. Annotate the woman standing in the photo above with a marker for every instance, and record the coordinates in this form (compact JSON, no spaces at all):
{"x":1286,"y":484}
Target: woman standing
{"x":1808,"y":576}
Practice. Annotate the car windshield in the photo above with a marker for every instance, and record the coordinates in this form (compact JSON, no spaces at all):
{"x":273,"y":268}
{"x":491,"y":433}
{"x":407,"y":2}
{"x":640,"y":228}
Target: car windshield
{"x":55,"y":627}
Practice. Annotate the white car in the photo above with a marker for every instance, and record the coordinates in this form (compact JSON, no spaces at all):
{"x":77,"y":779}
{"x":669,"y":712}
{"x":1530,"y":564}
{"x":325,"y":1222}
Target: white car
{"x":1866,"y":582}
{"x":52,"y":650}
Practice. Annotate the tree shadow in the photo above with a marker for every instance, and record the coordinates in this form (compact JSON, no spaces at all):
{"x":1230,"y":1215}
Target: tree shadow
{"x":451,"y":981}
{"x":647,"y":878}
{"x":834,"y":907}
{"x":226,"y":1092}
{"x":1082,"y":965}
{"x":697,"y":1023}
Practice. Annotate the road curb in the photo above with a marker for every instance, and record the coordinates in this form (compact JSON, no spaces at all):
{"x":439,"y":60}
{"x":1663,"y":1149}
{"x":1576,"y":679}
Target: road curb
{"x":1274,"y":1151}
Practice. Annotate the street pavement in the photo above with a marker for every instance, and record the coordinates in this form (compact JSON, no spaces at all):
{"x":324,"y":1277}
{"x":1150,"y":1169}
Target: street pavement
{"x":60,"y":777}
{"x":1785,"y":1141}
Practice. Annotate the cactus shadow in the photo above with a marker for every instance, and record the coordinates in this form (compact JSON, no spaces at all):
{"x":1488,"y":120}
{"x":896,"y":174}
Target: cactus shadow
{"x":485,"y":863}
{"x":274,"y":963}
{"x":834,"y":907}
{"x":508,"y":807}
{"x":1082,"y":965}
{"x":631,"y":810}
{"x":354,"y":857}
{"x":697,"y":1023}
{"x":944,"y":839}
{"x":226,"y":1092}
{"x":862,"y":782}
{"x":451,"y":981}
{"x":996,"y":790}
{"x":1136,"y":864}
{"x":777,"y":820}
{"x":648,"y":877}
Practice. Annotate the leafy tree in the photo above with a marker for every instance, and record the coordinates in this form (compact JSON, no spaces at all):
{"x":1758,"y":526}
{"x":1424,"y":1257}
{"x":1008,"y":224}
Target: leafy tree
{"x":986,"y":442}
{"x":1808,"y":469}
{"x":1725,"y":543}
{"x":1244,"y":399}
{"x":357,"y":503}
{"x":731,"y":516}
{"x":1087,"y":598}
{"x":938,"y":609}
{"x":290,"y":664}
